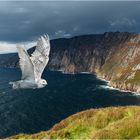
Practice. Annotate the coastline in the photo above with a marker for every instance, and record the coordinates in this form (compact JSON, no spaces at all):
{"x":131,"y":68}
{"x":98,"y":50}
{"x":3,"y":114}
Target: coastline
{"x":113,"y":88}
{"x":102,"y":79}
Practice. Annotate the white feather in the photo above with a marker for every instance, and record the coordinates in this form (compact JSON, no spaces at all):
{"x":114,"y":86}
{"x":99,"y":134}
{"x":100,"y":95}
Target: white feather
{"x":26,"y":64}
{"x":40,"y":56}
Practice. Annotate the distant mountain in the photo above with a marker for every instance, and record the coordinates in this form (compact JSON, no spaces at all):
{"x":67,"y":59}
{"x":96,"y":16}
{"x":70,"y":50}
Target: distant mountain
{"x":114,"y":56}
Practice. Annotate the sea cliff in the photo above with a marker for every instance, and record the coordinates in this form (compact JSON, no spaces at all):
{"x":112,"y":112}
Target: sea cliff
{"x":114,"y":56}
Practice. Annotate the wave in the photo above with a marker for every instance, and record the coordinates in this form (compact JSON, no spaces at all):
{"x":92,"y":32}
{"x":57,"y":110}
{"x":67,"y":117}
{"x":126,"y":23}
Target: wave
{"x":84,"y":72}
{"x":117,"y":89}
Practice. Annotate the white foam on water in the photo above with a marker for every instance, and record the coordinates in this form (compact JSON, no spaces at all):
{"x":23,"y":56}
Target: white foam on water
{"x":117,"y":89}
{"x":107,"y":87}
{"x":112,"y":88}
{"x":84,"y":72}
{"x":60,"y":70}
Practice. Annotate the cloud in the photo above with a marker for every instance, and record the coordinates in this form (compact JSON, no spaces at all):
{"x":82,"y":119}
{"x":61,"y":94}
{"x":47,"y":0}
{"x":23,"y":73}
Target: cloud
{"x":6,"y":47}
{"x":21,"y":10}
{"x":76,"y":29}
{"x":123,"y":22}
{"x":27,"y":20}
{"x":61,"y":34}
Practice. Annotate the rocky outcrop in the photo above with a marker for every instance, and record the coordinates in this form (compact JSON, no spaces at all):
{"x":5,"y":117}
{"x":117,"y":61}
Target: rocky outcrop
{"x":114,"y":56}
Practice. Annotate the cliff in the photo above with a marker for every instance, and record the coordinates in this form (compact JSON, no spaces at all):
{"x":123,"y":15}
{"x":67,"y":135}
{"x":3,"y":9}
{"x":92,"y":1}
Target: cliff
{"x":104,"y":123}
{"x":114,"y":56}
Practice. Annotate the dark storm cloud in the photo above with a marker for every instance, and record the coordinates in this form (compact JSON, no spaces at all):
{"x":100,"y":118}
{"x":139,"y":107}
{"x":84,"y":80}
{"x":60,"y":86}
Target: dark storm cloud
{"x":23,"y":21}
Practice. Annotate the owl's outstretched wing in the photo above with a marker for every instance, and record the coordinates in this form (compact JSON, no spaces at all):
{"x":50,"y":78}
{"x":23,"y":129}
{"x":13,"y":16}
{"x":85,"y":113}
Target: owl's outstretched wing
{"x":26,"y":64}
{"x":40,"y":56}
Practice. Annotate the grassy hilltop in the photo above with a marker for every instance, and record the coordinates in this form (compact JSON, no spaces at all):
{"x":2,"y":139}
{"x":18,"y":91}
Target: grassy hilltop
{"x":104,"y":123}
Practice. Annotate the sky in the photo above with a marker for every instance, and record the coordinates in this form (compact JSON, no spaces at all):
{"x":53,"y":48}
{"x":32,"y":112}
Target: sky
{"x":24,"y":21}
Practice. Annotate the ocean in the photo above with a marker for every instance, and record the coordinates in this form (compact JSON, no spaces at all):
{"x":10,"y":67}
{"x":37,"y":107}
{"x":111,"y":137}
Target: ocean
{"x":34,"y":110}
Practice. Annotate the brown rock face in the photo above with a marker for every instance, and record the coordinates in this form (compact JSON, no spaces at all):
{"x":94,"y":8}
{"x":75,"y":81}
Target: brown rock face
{"x":114,"y":56}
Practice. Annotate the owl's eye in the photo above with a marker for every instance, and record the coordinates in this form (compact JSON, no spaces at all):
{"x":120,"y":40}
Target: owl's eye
{"x":44,"y":82}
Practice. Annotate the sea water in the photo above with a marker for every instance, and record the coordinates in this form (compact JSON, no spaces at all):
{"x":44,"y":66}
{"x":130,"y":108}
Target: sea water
{"x":35,"y":110}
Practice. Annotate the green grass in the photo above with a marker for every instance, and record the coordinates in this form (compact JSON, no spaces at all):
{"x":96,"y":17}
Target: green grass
{"x":135,"y":79}
{"x":105,"y":123}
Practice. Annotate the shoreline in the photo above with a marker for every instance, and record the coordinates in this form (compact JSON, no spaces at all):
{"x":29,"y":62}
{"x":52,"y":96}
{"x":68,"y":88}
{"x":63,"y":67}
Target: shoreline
{"x":111,"y":87}
{"x":102,"y":79}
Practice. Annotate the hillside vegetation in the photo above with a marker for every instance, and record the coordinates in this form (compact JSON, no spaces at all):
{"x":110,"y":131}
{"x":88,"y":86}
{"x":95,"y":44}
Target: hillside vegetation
{"x":104,"y":123}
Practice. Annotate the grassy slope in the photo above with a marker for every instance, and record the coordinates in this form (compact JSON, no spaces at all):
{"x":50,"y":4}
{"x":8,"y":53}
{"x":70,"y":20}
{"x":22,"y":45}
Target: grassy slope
{"x":112,"y":122}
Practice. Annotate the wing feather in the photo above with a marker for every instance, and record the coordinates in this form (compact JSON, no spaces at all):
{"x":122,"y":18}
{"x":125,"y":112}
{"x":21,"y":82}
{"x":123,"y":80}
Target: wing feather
{"x":26,"y":65}
{"x":40,"y":56}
